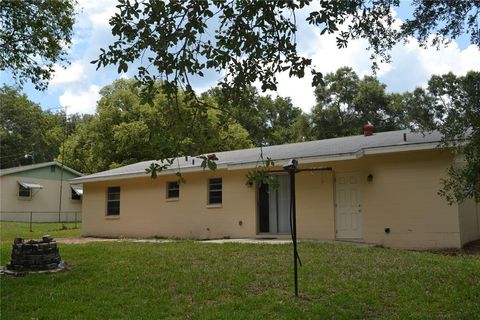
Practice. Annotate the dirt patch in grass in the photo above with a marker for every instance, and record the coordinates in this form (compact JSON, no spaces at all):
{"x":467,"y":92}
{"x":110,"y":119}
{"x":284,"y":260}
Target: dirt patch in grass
{"x":82,"y":240}
{"x":95,"y":239}
{"x":472,"y":248}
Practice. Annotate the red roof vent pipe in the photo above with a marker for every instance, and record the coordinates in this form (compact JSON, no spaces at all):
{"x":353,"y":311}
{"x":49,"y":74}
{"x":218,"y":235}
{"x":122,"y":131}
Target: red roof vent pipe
{"x":368,"y":129}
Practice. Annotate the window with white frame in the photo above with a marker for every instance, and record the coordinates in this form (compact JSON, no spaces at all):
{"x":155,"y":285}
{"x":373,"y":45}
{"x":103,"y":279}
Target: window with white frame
{"x":215,"y":191}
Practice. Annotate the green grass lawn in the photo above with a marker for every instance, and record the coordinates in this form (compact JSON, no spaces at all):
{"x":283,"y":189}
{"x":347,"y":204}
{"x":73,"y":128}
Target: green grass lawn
{"x":184,"y":279}
{"x":11,"y":230}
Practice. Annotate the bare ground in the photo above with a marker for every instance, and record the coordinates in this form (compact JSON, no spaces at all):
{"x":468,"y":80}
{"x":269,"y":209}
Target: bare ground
{"x":82,"y":240}
{"x":472,"y":248}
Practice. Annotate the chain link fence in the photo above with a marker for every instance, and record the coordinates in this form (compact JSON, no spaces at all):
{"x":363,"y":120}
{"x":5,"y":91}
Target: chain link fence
{"x":31,"y":217}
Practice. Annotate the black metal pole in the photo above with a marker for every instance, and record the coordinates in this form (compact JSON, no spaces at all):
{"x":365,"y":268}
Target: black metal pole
{"x":62,"y":167}
{"x":292,"y":168}
{"x":294,"y":229}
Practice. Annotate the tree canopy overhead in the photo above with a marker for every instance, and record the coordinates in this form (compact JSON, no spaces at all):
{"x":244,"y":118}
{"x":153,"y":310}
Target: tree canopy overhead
{"x":454,"y":104}
{"x":252,"y":41}
{"x":34,"y":37}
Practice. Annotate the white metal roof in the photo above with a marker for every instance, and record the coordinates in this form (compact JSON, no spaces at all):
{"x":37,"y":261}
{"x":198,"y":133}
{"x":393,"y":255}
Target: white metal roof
{"x":77,"y":188}
{"x":30,"y":185}
{"x":336,"y":149}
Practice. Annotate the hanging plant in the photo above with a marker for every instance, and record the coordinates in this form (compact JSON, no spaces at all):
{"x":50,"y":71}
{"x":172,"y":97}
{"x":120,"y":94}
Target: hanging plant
{"x":155,"y":168}
{"x":209,"y":162}
{"x":261,"y":174}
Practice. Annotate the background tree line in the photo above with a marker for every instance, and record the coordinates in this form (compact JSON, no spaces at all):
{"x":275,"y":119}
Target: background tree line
{"x":26,"y":129}
{"x":126,"y":130}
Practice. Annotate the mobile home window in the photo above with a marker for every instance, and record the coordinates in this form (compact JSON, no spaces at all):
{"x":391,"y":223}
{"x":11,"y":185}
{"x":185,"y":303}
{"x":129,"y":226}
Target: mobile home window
{"x":113,"y":201}
{"x":173,"y":190}
{"x":24,"y":192}
{"x":215,"y":191}
{"x":75,"y":195}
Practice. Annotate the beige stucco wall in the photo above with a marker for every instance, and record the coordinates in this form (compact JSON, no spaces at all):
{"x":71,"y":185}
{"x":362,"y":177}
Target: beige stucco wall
{"x":402,"y":197}
{"x":145,"y":211}
{"x":469,"y":217}
{"x":315,"y":205}
{"x":44,"y":203}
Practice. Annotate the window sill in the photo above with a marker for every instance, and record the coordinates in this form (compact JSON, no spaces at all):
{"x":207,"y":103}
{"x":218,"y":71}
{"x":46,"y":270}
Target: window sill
{"x":24,"y":198}
{"x":172,"y":199}
{"x":112,"y":217}
{"x":213,"y":206}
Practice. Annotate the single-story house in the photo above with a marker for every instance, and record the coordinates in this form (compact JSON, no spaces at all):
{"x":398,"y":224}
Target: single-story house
{"x":36,"y":189}
{"x":381,"y":189}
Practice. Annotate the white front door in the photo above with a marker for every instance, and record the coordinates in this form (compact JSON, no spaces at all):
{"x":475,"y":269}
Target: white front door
{"x":348,"y":206}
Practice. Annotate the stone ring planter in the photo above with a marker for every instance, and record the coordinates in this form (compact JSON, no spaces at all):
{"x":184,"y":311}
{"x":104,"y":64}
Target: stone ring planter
{"x":34,"y":256}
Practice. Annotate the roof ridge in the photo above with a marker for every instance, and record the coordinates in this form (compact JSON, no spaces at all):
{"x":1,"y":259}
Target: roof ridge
{"x":334,"y":148}
{"x":37,"y":166}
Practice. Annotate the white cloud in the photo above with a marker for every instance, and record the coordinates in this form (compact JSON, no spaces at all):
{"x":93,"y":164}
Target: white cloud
{"x":326,"y":57}
{"x":80,"y":101}
{"x":450,"y":58}
{"x":411,"y":65}
{"x":96,"y":12}
{"x":78,"y":85}
{"x":101,"y":19}
{"x":75,"y":72}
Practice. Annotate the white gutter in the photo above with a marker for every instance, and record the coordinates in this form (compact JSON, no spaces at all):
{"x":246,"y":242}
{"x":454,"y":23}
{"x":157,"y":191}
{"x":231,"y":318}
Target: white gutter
{"x":129,"y":175}
{"x":305,"y":160}
{"x":140,"y":174}
{"x":402,"y":148}
{"x":344,"y":156}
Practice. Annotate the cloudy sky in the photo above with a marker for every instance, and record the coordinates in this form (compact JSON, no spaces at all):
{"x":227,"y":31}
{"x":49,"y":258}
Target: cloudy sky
{"x":77,"y":86}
